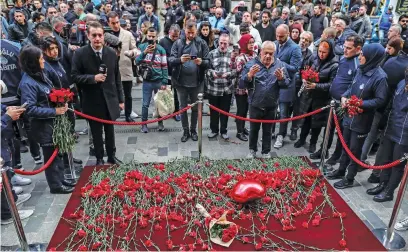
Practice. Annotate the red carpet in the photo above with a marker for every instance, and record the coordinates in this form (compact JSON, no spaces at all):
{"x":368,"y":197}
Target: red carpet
{"x":325,"y":236}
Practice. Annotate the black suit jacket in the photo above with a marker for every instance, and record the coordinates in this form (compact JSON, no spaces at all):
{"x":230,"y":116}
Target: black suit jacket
{"x":99,"y":99}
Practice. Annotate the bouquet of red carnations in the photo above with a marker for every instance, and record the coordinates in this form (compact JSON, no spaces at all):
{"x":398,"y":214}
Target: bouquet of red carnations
{"x":353,"y":106}
{"x":62,"y":135}
{"x":308,"y":75}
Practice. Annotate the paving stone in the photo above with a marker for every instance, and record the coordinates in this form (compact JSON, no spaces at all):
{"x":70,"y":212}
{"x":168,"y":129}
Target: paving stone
{"x":40,"y":186}
{"x":132,"y":140}
{"x":128,"y":157}
{"x":173,"y":146}
{"x":214,"y":139}
{"x":223,"y":142}
{"x":373,"y":219}
{"x":368,"y":224}
{"x":43,"y":205}
{"x":162,"y":151}
{"x":195,"y":154}
{"x":34,"y":224}
{"x":33,"y":201}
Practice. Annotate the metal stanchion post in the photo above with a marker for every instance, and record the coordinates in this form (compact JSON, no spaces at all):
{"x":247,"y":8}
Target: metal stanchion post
{"x":200,"y":124}
{"x":72,"y":165}
{"x":390,"y":239}
{"x":14,"y":213}
{"x":321,"y":164}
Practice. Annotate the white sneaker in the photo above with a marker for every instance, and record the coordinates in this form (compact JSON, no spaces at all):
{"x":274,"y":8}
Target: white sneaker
{"x":22,"y":198}
{"x":17,"y":180}
{"x":18,"y":189}
{"x":252,"y":154}
{"x":402,"y":225}
{"x":134,"y":115}
{"x":266,"y":155}
{"x":24,"y":214}
{"x":279,"y":142}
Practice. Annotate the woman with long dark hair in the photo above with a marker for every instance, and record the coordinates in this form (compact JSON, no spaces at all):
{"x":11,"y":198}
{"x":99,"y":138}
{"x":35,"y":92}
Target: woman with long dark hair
{"x":317,"y":94}
{"x":206,"y":33}
{"x":247,"y":53}
{"x":34,"y":89}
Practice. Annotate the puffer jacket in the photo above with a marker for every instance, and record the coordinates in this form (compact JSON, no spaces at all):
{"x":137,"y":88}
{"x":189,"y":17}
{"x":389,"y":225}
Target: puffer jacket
{"x":35,"y":92}
{"x":397,"y":128}
{"x":263,"y":89}
{"x":372,"y":88}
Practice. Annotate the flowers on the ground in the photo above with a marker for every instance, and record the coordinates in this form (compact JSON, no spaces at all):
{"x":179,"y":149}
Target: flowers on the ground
{"x":152,"y":206}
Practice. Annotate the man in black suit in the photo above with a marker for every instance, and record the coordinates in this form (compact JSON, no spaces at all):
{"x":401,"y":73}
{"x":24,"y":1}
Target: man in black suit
{"x":102,"y":94}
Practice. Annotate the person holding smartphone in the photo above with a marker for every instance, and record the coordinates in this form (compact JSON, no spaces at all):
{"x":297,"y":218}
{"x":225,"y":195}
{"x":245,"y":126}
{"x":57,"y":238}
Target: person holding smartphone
{"x":189,"y":59}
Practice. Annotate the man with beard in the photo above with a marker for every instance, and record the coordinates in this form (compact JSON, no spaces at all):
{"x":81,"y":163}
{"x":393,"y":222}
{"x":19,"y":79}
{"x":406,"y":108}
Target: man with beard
{"x":356,"y":20}
{"x":318,"y":22}
{"x":306,"y":39}
{"x":51,"y":13}
{"x":20,"y":29}
{"x":265,"y":28}
{"x":167,"y":42}
{"x":18,"y":6}
{"x":366,"y":28}
{"x":403,"y":21}
{"x":343,"y":31}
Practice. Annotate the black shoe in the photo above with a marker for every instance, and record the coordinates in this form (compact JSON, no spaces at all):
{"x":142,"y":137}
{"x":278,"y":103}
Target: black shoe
{"x":378,"y":189}
{"x":312,"y":148}
{"x":77,"y":161}
{"x":334,"y":159}
{"x":318,"y":154}
{"x":23,"y":148}
{"x":336,"y":174}
{"x":186,"y":136}
{"x":129,"y":119}
{"x":194,"y":136}
{"x":299,"y":143}
{"x":70,"y":182}
{"x":246,"y":131}
{"x":62,"y":190}
{"x":384,"y":196}
{"x":293,"y":135}
{"x":242,"y":137}
{"x":100,"y":161}
{"x":114,"y":161}
{"x":373,"y":179}
{"x":343,"y":184}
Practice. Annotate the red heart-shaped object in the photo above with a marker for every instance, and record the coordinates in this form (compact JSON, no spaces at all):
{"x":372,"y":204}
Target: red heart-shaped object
{"x":247,"y":190}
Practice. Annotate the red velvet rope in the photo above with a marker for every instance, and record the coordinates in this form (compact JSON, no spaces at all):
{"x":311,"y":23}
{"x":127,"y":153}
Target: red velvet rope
{"x":267,"y":121}
{"x":351,"y":155}
{"x":133,"y":123}
{"x":43,"y":168}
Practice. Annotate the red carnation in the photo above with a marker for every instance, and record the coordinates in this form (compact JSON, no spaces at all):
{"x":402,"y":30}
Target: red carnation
{"x":82,"y":248}
{"x":305,"y":224}
{"x":148,"y":243}
{"x":169,"y":244}
{"x":343,"y":243}
{"x":259,"y":246}
{"x":81,"y":233}
{"x":96,"y":245}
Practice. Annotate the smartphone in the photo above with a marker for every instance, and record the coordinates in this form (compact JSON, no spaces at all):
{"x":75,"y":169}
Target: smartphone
{"x":235,"y":48}
{"x":242,"y":8}
{"x":151,"y":42}
{"x":24,"y":105}
{"x":193,"y":57}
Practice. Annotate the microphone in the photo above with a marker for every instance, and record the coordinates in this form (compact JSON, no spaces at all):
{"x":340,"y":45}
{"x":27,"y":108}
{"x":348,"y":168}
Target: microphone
{"x":103,"y":69}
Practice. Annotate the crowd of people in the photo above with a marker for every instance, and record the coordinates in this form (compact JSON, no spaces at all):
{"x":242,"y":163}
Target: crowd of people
{"x":249,"y":59}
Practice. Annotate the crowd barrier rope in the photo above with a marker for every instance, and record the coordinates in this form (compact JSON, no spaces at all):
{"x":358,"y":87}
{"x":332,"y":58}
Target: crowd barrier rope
{"x":43,"y":168}
{"x":133,"y":123}
{"x":351,"y":155}
{"x":317,"y":111}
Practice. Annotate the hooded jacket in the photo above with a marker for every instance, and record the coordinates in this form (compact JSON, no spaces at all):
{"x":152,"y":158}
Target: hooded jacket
{"x":370,"y":85}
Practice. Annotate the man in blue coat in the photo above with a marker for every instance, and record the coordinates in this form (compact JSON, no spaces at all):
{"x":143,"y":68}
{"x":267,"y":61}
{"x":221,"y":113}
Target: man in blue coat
{"x":263,"y":77}
{"x":291,"y":55}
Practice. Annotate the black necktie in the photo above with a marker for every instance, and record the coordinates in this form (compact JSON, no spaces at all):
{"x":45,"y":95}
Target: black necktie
{"x":99,"y":58}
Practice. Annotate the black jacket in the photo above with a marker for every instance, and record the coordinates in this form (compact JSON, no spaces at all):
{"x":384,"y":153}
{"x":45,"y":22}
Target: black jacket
{"x":99,"y":99}
{"x":35,"y":91}
{"x":307,"y":61}
{"x":167,"y":44}
{"x":70,"y":17}
{"x":18,"y":32}
{"x":175,"y":59}
{"x":313,"y":99}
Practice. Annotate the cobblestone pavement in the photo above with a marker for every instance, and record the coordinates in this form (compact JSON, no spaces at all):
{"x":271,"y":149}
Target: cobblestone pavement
{"x":160,"y":147}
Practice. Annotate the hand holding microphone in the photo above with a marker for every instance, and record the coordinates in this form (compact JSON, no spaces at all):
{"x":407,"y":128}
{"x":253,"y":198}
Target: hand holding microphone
{"x":101,"y":77}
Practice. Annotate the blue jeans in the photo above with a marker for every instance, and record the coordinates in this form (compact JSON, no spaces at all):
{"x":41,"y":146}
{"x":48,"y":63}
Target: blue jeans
{"x":148,"y":88}
{"x":284,"y":111}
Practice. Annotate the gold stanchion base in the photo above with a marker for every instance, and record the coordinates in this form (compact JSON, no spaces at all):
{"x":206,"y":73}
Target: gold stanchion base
{"x":396,"y":241}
